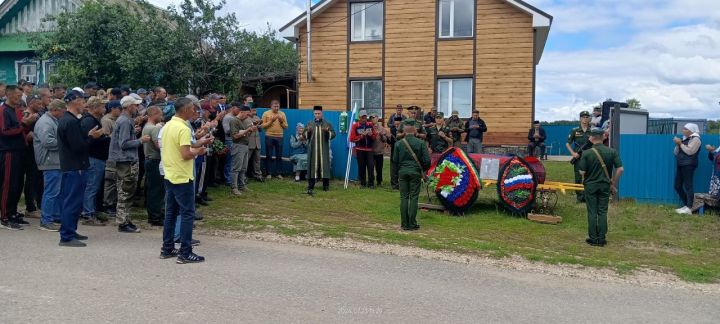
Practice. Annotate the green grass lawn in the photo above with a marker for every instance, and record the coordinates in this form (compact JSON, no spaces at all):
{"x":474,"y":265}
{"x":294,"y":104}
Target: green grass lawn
{"x":640,"y":236}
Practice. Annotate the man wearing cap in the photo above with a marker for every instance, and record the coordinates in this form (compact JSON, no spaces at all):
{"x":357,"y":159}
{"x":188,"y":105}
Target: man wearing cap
{"x":27,"y":89}
{"x":74,"y":162}
{"x":475,"y":128}
{"x":412,"y":121}
{"x":429,"y":119}
{"x":91,"y":89}
{"x":319,"y":132}
{"x":457,"y":128}
{"x":596,"y":117}
{"x":124,"y":153}
{"x":439,"y":135}
{"x":274,"y":123}
{"x":364,"y":136}
{"x":98,"y":153}
{"x":47,"y":155}
{"x":154,"y":190}
{"x":411,"y":155}
{"x":536,"y":138}
{"x":398,"y":113}
{"x":143,"y":93}
{"x":379,"y":147}
{"x":578,"y":141}
{"x":240,"y":129}
{"x":392,"y":140}
{"x":13,"y":127}
{"x":113,"y":108}
{"x":596,"y":166}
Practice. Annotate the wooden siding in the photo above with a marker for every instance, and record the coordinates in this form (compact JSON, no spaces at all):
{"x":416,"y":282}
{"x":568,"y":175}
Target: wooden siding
{"x":455,"y":57}
{"x":365,"y":60}
{"x":409,"y":53}
{"x":329,"y":60}
{"x":504,"y":71}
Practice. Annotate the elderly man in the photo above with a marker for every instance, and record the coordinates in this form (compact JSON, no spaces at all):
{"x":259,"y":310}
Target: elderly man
{"x":398,"y":113}
{"x":319,"y":132}
{"x":110,"y":178}
{"x":47,"y":154}
{"x":124,"y":153}
{"x":363,"y":135}
{"x":240,"y":129}
{"x":536,"y":138}
{"x":475,"y":128}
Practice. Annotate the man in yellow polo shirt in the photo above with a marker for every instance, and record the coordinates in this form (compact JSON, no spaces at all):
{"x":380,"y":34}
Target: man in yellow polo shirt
{"x":178,"y":159}
{"x":274,"y":123}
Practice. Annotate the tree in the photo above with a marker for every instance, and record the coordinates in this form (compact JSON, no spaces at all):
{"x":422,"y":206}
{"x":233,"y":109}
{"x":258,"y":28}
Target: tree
{"x":191,"y":47}
{"x":633,"y":103}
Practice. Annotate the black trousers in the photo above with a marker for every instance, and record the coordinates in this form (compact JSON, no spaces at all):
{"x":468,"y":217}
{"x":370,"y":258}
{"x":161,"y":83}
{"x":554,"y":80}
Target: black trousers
{"x":212,"y":162}
{"x":379,"y":161}
{"x":684,"y":184}
{"x":11,"y":187}
{"x":366,"y":166}
{"x":394,"y":170}
{"x":33,"y":182}
{"x":141,"y":171}
{"x":311,"y":184}
{"x":531,"y":149}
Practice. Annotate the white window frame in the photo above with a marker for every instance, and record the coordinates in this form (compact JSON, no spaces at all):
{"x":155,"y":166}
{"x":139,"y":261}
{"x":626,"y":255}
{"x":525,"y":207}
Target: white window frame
{"x":362,"y":95}
{"x":452,"y":20}
{"x":19,"y":70}
{"x":46,"y":69}
{"x":361,"y":12}
{"x":447,"y":111}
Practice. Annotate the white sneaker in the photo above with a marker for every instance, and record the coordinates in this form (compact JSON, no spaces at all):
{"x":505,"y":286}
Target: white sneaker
{"x":685,"y":211}
{"x":679,"y":210}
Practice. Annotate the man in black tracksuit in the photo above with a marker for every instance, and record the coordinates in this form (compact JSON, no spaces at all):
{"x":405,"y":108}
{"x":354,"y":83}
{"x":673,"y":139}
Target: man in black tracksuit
{"x":13,"y":128}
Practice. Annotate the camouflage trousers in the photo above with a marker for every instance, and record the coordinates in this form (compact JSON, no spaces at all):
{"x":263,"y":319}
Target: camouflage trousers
{"x":127,"y":177}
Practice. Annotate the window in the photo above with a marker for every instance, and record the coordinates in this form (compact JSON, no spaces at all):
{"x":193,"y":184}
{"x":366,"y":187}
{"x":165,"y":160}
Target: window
{"x":455,"y":94}
{"x":367,"y":21}
{"x":50,"y":69}
{"x":367,"y":95}
{"x":28,"y":71}
{"x":456,"y":18}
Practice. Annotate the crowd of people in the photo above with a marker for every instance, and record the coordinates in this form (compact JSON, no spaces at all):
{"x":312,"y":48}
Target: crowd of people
{"x":83,"y":155}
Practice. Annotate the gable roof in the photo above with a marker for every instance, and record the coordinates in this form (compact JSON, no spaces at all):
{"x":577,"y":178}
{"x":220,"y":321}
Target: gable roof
{"x":541,"y":23}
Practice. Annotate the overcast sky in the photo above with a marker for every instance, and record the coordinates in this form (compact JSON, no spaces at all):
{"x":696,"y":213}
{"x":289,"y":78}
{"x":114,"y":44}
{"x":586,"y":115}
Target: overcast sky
{"x":666,"y":53}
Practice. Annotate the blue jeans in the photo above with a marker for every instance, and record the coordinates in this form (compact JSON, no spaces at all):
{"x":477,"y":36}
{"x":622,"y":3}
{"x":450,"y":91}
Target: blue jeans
{"x":276,"y":144}
{"x":73,"y":186}
{"x":95,"y":175}
{"x":51,"y":200}
{"x":179,"y":201}
{"x":228,"y":162}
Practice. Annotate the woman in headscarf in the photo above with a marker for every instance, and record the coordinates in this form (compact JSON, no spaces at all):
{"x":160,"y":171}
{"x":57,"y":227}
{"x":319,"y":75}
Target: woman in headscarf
{"x":686,"y":153}
{"x":298,"y":151}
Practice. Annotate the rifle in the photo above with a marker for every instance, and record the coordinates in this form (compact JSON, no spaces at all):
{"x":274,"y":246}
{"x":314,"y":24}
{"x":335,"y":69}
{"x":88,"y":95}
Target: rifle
{"x":585,"y":146}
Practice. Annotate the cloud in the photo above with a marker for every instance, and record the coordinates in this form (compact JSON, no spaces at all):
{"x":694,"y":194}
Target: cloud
{"x":676,"y":72}
{"x":255,"y":15}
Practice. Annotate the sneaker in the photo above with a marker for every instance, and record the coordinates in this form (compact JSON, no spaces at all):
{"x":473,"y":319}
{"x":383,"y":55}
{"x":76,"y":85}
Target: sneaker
{"x":20,"y":220}
{"x":685,"y":211}
{"x":279,"y":177}
{"x":199,"y":217}
{"x":11,"y":225}
{"x":126,"y":228}
{"x":72,"y":243}
{"x":169,"y":254}
{"x":132,"y":225}
{"x":236,"y":192}
{"x":80,"y":237}
{"x":297,"y":178}
{"x":50,"y":227}
{"x":190,"y":258}
{"x":93,"y":222}
{"x":679,"y":210}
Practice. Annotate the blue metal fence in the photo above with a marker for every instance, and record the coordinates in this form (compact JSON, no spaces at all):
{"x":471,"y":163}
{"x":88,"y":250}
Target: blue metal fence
{"x":338,"y":145}
{"x":650,"y":168}
{"x":556,"y":136}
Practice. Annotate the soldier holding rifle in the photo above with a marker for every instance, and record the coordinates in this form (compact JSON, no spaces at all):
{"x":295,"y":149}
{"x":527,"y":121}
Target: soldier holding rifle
{"x":578,"y":141}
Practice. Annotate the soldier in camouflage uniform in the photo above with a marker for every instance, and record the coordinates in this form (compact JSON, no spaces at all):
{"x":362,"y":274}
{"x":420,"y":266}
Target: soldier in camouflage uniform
{"x":439,"y":135}
{"x":457,"y":128}
{"x":576,"y":143}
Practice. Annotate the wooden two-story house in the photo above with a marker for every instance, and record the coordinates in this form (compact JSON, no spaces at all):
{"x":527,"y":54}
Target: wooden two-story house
{"x":459,"y":55}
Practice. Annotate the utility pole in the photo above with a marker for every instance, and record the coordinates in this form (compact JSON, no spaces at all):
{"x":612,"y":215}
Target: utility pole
{"x":309,"y":40}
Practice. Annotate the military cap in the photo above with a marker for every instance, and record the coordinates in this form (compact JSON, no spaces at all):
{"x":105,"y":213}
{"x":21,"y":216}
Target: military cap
{"x":598,"y":108}
{"x":597,"y":131}
{"x":584,"y":113}
{"x":455,"y":113}
{"x":440,"y":114}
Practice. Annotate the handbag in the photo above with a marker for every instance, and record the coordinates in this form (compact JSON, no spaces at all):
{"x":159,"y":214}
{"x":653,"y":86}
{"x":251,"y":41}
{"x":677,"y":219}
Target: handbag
{"x":412,"y":153}
{"x":714,"y":186}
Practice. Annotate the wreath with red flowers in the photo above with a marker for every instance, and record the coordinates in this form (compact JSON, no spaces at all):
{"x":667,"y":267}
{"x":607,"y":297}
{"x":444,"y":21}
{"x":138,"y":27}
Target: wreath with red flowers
{"x":455,"y":181}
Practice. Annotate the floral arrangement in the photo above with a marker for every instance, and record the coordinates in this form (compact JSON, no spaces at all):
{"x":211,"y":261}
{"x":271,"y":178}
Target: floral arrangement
{"x":455,"y":181}
{"x":219,"y":148}
{"x":517,"y":186}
